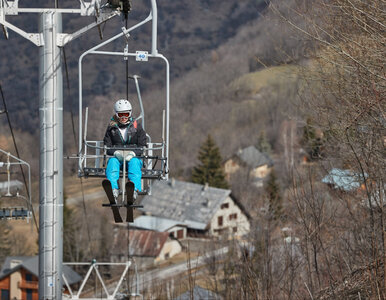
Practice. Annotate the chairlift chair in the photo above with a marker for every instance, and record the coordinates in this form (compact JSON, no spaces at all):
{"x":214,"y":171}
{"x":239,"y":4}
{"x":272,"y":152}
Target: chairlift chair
{"x":92,"y":155}
{"x":8,"y":212}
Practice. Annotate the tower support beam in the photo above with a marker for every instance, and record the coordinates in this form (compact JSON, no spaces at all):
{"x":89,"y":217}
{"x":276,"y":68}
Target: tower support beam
{"x":51,"y":159}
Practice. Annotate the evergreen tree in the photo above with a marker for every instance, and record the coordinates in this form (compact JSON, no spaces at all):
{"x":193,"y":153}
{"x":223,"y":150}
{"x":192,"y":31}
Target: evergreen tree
{"x":272,"y":191}
{"x":311,"y":141}
{"x":209,"y":169}
{"x":262,"y":143}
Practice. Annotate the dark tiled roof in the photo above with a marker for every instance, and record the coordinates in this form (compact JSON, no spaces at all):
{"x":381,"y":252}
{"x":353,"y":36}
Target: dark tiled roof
{"x":253,"y":158}
{"x":31,"y":264}
{"x":190,"y":203}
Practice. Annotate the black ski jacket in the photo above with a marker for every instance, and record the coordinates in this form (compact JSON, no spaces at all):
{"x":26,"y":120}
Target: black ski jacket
{"x":136,"y":136}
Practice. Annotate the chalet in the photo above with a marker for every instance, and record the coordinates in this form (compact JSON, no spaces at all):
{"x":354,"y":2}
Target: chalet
{"x":19,"y":277}
{"x":204,"y":211}
{"x":147,"y":247}
{"x":259,"y":164}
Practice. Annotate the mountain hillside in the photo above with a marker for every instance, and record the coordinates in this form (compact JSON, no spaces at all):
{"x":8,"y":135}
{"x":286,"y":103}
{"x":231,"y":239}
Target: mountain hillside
{"x":210,"y":44}
{"x":188,"y":30}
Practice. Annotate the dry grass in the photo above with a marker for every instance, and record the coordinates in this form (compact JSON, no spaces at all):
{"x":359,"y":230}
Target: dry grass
{"x":253,"y":83}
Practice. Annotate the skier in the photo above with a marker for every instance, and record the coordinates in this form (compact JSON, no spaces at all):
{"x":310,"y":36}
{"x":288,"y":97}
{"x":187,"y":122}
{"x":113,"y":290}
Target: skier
{"x":124,"y":130}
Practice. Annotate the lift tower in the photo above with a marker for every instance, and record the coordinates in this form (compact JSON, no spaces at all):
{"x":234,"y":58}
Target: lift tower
{"x":49,"y":39}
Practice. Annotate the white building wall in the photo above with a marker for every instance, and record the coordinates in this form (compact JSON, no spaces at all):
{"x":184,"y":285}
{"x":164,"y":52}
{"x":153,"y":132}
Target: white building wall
{"x":170,"y":249}
{"x":15,"y":291}
{"x":261,"y":171}
{"x":175,"y":230}
{"x":231,"y":225}
{"x":230,"y":167}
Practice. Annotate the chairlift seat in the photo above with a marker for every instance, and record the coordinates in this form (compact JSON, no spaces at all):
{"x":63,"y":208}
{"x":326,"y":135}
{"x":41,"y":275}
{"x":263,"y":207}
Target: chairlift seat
{"x":20,"y":213}
{"x":5,"y":213}
{"x":101,"y":172}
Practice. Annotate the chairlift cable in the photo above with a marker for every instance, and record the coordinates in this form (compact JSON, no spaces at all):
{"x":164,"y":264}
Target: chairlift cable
{"x":75,"y":141}
{"x":18,"y":155}
{"x":127,"y":72}
{"x":69,"y":91}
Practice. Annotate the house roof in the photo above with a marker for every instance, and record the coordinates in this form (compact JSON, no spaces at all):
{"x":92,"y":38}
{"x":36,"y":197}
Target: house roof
{"x":190,"y":203}
{"x":146,"y":243}
{"x":253,"y":158}
{"x":345,"y":180}
{"x":31,"y":264}
{"x":155,"y":223}
{"x":199,"y":293}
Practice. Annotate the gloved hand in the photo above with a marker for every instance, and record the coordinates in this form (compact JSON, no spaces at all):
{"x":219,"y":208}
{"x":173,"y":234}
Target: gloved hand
{"x":130,"y":156}
{"x":118,"y":155}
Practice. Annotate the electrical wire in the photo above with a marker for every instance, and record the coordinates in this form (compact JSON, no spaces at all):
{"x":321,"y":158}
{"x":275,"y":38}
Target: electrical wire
{"x":75,"y":142}
{"x":74,"y":134}
{"x":30,"y":207}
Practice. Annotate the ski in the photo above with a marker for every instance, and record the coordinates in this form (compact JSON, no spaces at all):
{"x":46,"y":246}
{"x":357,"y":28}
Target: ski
{"x":109,"y":192}
{"x":129,"y":201}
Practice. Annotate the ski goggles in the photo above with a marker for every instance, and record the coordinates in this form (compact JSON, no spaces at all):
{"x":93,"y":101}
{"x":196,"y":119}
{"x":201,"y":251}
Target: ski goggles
{"x":124,"y":115}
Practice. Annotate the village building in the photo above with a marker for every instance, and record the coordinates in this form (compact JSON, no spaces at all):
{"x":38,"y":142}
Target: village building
{"x":259,"y":164}
{"x":147,"y":247}
{"x":19,"y":277}
{"x":204,"y":211}
{"x":175,"y":228}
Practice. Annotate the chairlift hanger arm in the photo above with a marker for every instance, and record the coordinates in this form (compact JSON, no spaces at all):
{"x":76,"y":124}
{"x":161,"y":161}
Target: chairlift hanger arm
{"x":64,"y":38}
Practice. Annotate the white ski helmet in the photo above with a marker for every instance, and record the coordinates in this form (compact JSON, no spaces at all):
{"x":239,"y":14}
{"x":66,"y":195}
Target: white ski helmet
{"x":123,"y":106}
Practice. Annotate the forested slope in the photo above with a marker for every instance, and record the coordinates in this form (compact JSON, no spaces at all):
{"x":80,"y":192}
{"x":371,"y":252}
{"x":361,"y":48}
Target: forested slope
{"x":191,"y":35}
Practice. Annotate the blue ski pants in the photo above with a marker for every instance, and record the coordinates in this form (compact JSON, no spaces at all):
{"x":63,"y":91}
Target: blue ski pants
{"x":133,"y":169}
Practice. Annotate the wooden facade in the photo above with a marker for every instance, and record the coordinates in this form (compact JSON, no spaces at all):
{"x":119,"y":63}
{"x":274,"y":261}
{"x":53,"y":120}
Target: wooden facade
{"x":20,"y":284}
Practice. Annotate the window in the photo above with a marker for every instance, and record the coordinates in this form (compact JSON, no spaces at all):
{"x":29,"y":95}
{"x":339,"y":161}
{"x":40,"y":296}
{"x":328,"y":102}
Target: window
{"x":221,"y":231}
{"x":4,"y":294}
{"x":233,"y":217}
{"x":224,"y":205}
{"x":219,"y":221}
{"x":180,"y":234}
{"x":28,"y":277}
{"x":234,"y":229}
{"x":29,"y":294}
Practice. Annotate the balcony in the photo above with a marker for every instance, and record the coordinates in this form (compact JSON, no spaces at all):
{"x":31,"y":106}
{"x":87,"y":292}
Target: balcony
{"x":32,"y":285}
